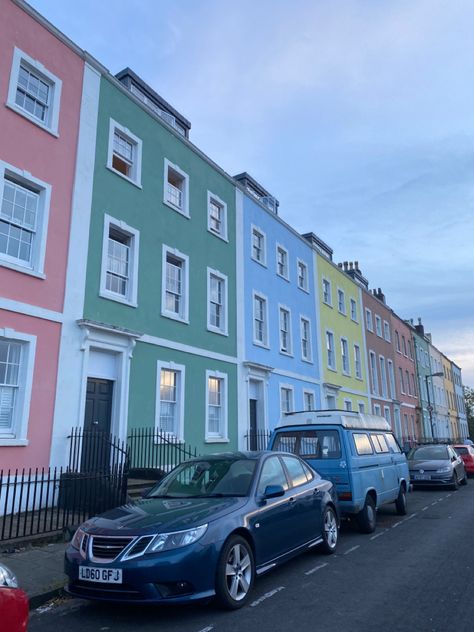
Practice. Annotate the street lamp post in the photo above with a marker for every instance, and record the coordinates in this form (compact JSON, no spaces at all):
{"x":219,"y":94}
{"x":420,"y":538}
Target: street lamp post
{"x":430,"y":407}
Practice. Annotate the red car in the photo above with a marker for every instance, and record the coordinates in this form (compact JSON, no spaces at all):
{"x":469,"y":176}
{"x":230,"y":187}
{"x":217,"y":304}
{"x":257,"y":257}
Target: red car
{"x":466,"y":452}
{"x":14,"y":607}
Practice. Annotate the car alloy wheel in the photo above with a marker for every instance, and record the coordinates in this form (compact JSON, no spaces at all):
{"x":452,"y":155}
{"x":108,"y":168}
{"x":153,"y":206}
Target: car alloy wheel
{"x":330,"y":531}
{"x":235,"y":573}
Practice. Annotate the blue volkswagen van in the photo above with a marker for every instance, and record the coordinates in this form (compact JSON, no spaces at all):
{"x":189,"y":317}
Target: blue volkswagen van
{"x":357,"y":452}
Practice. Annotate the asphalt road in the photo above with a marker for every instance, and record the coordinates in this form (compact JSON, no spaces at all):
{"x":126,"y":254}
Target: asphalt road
{"x":414,"y":574}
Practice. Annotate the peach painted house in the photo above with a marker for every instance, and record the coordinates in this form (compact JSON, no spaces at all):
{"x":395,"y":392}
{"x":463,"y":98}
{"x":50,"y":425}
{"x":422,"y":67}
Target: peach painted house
{"x":41,"y":79}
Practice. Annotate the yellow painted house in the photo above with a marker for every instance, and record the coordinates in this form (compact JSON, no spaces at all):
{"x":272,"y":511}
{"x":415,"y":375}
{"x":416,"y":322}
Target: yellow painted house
{"x":343,"y":358}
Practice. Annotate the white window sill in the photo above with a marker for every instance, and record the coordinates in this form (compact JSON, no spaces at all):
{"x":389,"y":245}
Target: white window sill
{"x":214,"y":330}
{"x":175,"y":317}
{"x":307,"y":360}
{"x":19,"y":268}
{"x":260,"y":263}
{"x":303,"y":289}
{"x":285,"y":278}
{"x":288,"y":354}
{"x":117,"y":298}
{"x":179,"y":210}
{"x":262,"y":345}
{"x":13,"y":442}
{"x":327,"y":304}
{"x":221,"y":237}
{"x":216,"y":440}
{"x":122,"y":175}
{"x":32,"y":119}
{"x":342,"y":313}
{"x":331,"y":368}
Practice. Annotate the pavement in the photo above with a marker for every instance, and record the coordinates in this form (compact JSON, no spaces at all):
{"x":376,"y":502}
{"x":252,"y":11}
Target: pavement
{"x":39,"y":569}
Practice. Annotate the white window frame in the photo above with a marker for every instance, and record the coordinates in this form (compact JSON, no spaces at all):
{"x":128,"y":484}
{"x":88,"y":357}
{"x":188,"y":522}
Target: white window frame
{"x":260,"y":343}
{"x":345,"y":355}
{"x":304,"y":266}
{"x":136,"y":170}
{"x":333,"y":366}
{"x":134,"y":235}
{"x":377,"y":410}
{"x":309,"y":356}
{"x":38,"y":253}
{"x":357,"y":362}
{"x":55,"y":85}
{"x":286,"y":272}
{"x":361,"y":407}
{"x":184,"y":208}
{"x":353,"y":303}
{"x":291,"y":390}
{"x":326,"y":283}
{"x":400,"y":379}
{"x":262,"y":234}
{"x":387,"y":415}
{"x":378,"y":326}
{"x":383,"y":376}
{"x":222,"y":436}
{"x":386,"y":331}
{"x":223,"y":330}
{"x":19,"y":431}
{"x":341,"y":303}
{"x":309,"y":392}
{"x":374,"y":378}
{"x":348,"y":405}
{"x":183,"y":316}
{"x":283,"y":309}
{"x":222,"y":234}
{"x":181,"y":369}
{"x":368,"y":319}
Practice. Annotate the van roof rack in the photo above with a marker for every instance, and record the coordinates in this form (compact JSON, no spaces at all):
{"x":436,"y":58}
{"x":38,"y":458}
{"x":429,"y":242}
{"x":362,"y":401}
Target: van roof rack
{"x":344,"y":418}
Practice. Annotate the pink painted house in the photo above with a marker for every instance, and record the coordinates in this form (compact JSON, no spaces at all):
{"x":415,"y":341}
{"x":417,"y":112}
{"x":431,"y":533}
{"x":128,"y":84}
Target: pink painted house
{"x":41,"y":79}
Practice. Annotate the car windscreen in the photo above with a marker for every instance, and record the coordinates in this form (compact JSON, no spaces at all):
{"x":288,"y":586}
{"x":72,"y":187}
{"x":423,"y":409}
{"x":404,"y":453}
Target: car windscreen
{"x":314,"y":444}
{"x":429,"y":452}
{"x":207,"y":478}
{"x":461,"y":450}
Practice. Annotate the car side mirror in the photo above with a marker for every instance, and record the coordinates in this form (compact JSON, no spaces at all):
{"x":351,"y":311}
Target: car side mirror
{"x":273,"y":491}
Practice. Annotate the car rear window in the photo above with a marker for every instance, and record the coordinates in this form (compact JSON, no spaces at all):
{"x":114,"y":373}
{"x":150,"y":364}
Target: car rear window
{"x":316,"y":444}
{"x":461,"y":450}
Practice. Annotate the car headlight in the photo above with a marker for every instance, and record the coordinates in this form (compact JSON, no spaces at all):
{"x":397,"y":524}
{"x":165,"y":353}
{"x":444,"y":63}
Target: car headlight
{"x":77,"y":538}
{"x":444,"y":470}
{"x":176,"y":539}
{"x":7,"y":578}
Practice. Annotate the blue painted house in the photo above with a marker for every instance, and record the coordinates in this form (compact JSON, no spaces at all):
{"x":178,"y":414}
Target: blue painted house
{"x":278,"y":332}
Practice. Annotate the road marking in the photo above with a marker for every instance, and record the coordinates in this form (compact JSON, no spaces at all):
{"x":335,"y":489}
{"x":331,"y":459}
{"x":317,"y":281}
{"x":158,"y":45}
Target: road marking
{"x":208,"y":629}
{"x":353,"y":549}
{"x":434,"y":502}
{"x":425,"y":508}
{"x":440,"y":499}
{"x":377,"y":535}
{"x":316,"y":568}
{"x":448,"y":495}
{"x":396,"y":524}
{"x":266,"y":596}
{"x":409,"y":517}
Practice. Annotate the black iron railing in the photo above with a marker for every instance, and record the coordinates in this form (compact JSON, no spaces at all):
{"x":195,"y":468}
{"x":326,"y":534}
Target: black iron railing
{"x":153,"y":452}
{"x":257,"y":439}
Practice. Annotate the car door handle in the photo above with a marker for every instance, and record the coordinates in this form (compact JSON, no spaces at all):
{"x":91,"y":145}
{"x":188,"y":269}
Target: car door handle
{"x":292,"y":500}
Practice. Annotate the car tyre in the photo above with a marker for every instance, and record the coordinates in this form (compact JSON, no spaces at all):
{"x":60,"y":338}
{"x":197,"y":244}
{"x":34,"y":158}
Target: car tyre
{"x":401,"y":502}
{"x":464,"y":480}
{"x":330,"y":532}
{"x":235,"y":573}
{"x":367,"y":517}
{"x":455,"y":485}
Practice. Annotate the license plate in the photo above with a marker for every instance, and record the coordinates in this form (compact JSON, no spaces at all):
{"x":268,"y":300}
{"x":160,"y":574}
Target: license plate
{"x":101,"y":575}
{"x":422,"y":477}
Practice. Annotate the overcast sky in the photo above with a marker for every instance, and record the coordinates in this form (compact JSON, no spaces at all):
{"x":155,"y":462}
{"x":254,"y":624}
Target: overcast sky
{"x":358,"y":115}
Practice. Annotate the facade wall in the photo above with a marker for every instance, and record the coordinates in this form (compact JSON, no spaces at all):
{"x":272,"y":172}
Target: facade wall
{"x":440,"y":405}
{"x":278,"y":355}
{"x":423,"y":367}
{"x":406,"y":381}
{"x":37,"y":166}
{"x":343,"y":386}
{"x":450,"y":399}
{"x":380,"y":357}
{"x":460,"y":406}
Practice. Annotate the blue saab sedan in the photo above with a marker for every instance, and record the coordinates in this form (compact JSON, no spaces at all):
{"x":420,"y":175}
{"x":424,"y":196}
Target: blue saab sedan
{"x":207,"y":529}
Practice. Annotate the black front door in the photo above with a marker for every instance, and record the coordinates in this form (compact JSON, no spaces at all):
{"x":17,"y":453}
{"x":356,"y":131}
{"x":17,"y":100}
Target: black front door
{"x":97,"y":420}
{"x":253,"y":425}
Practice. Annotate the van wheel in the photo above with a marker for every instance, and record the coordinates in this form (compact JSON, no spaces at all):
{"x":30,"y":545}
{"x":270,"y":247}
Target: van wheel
{"x":330,"y":531}
{"x":366,"y":518}
{"x":401,"y":502}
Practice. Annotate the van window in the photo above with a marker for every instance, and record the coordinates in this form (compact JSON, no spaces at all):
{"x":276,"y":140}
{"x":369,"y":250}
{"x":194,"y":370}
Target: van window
{"x":379,"y":442}
{"x":392,"y":443}
{"x":319,"y":444}
{"x":362,"y":443}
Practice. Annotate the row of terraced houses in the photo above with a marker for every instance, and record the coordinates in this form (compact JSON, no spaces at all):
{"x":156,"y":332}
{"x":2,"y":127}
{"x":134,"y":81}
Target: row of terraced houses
{"x":144,"y":287}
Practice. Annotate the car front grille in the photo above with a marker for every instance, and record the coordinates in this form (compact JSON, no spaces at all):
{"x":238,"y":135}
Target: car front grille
{"x":108,"y":547}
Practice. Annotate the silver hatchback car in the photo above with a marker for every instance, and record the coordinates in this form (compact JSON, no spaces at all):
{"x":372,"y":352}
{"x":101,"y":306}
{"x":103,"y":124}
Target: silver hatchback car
{"x":436,"y":464}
